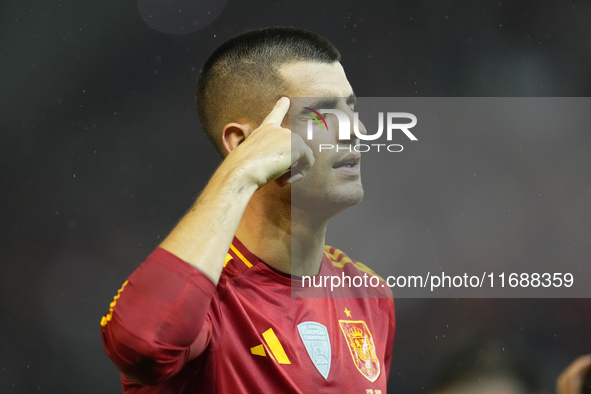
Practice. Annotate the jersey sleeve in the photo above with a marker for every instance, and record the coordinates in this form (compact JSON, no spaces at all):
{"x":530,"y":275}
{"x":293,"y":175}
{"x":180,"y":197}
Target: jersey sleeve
{"x":391,"y":331}
{"x":159,"y":319}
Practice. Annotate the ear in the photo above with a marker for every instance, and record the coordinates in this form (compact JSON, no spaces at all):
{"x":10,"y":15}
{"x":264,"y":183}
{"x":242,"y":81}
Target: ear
{"x":234,"y":134}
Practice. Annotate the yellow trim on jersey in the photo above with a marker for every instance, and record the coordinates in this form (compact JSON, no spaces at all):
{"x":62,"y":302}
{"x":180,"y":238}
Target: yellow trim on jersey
{"x":275,"y":347}
{"x":240,"y":256}
{"x":228,"y":258}
{"x":337,"y":253}
{"x":258,"y":350}
{"x":335,"y":256}
{"x":109,"y":315}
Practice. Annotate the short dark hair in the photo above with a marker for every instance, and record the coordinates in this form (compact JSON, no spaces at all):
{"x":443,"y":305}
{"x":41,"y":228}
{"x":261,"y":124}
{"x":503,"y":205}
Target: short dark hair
{"x":241,"y":75}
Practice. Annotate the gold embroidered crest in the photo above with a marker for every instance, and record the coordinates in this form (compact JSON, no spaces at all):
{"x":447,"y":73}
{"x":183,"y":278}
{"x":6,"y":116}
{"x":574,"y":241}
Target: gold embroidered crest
{"x":362,"y":348}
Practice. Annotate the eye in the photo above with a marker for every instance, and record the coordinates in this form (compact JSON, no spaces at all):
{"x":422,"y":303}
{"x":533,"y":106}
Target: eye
{"x":311,"y":116}
{"x":324,"y":115}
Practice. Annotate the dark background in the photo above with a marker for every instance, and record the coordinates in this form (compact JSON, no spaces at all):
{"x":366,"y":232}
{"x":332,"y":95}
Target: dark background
{"x":102,"y":153}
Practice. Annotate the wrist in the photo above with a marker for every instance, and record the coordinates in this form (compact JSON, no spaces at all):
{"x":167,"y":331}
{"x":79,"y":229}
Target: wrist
{"x":249,"y":174}
{"x":237,"y":177}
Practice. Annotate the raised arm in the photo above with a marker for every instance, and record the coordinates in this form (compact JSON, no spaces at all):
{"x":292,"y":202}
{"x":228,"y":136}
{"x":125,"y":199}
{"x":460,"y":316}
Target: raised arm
{"x":203,"y":236}
{"x":158,"y":321}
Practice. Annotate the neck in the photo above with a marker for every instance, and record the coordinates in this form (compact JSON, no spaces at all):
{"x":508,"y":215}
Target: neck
{"x":282,"y":236}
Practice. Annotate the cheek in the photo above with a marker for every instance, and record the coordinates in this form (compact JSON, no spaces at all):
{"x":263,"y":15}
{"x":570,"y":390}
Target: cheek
{"x":321,"y":169}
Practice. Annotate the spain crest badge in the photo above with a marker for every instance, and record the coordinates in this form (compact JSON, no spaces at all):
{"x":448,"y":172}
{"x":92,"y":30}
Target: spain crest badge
{"x":362,"y":348}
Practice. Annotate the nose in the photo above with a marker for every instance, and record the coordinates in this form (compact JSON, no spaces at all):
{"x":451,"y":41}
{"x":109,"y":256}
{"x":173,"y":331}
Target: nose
{"x":355,"y":123}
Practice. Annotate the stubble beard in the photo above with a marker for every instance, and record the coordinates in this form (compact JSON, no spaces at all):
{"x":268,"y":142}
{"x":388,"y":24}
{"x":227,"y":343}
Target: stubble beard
{"x":324,"y":204}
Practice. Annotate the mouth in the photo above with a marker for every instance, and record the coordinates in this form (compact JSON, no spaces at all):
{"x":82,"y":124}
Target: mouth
{"x":349,"y":164}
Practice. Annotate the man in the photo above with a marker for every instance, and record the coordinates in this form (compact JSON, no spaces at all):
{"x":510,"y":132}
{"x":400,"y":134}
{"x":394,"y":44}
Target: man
{"x":211,"y":310}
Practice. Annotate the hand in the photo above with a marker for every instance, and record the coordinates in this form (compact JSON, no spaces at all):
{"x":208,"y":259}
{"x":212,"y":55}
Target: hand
{"x":571,"y":380}
{"x":272,"y":152}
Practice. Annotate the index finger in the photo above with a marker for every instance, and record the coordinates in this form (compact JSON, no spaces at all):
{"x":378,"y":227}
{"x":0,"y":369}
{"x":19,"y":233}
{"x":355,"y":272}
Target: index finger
{"x":278,"y":112}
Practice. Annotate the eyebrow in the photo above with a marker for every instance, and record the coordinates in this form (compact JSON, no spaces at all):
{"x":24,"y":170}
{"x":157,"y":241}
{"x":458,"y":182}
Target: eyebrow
{"x":331,"y":102}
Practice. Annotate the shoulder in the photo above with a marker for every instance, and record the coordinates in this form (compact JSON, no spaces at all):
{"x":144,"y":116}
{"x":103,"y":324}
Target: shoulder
{"x":344,"y":265}
{"x":341,"y":261}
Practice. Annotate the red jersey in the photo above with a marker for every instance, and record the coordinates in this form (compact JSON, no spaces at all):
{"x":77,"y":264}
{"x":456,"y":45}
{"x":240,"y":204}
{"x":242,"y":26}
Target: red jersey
{"x":171,"y":329}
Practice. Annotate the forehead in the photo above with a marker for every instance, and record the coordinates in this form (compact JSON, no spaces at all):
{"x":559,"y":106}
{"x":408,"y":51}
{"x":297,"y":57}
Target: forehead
{"x":310,"y":79}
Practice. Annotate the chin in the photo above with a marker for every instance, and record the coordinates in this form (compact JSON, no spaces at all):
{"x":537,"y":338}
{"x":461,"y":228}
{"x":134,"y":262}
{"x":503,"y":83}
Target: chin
{"x":327,"y":203}
{"x":347,"y":194}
